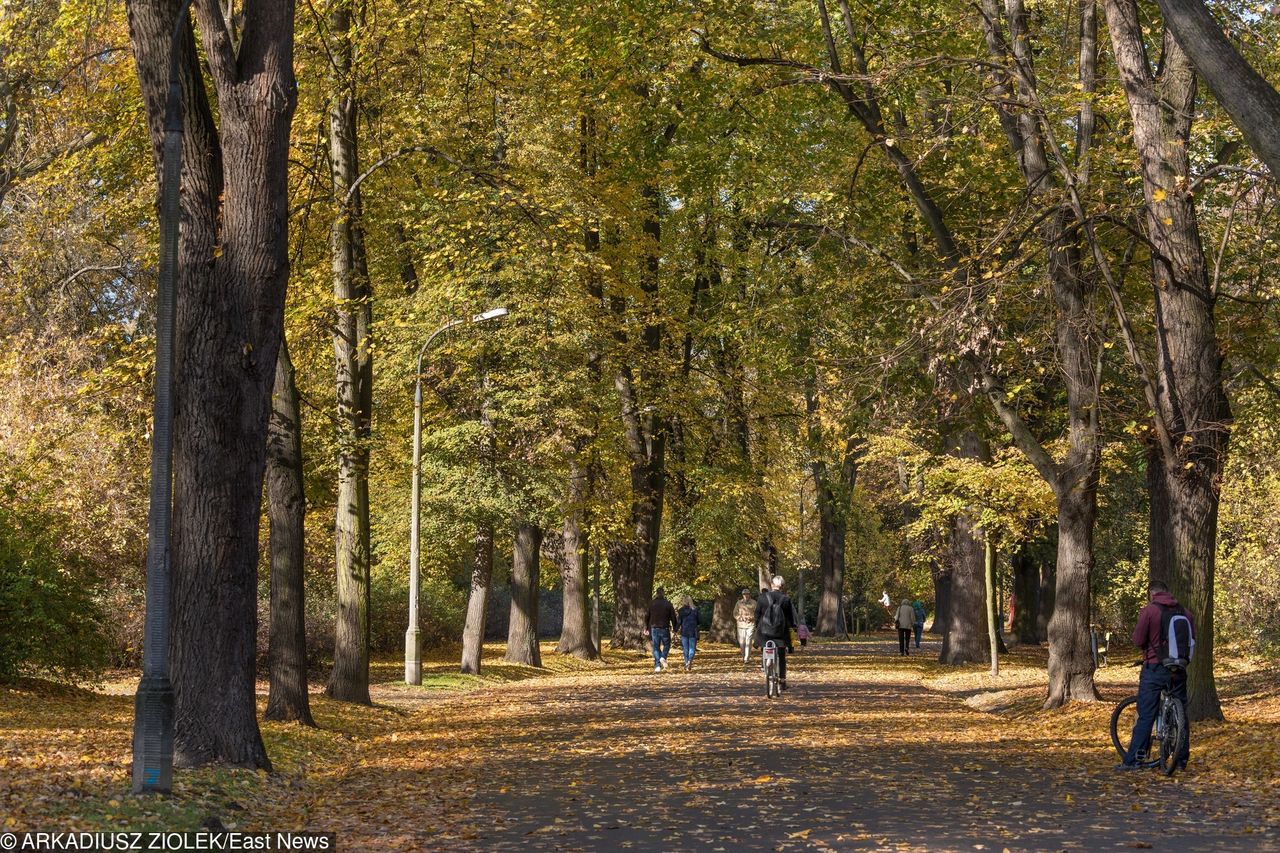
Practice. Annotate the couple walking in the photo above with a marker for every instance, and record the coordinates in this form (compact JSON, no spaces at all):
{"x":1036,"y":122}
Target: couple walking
{"x":663,"y":618}
{"x":910,"y":616}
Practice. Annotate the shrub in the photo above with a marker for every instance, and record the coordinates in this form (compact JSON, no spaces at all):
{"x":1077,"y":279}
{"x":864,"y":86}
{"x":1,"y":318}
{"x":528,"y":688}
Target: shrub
{"x":50,"y":622}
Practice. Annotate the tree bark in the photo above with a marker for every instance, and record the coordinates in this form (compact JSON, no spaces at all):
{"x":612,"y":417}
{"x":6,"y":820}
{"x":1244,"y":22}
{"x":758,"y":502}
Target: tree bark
{"x":477,"y":600}
{"x":349,"y":680}
{"x":1192,"y":412}
{"x":1048,"y":596}
{"x":1026,"y":596}
{"x":993,"y":615}
{"x":526,"y":582}
{"x":287,"y":697}
{"x":1248,"y":98}
{"x":941,"y":601}
{"x":724,"y":629}
{"x":575,"y":629}
{"x":965,"y":640}
{"x":234,"y":266}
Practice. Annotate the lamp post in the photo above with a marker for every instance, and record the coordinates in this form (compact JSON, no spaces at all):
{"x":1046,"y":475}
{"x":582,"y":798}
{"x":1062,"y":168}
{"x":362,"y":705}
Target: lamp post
{"x":412,"y":637}
{"x":153,"y":705}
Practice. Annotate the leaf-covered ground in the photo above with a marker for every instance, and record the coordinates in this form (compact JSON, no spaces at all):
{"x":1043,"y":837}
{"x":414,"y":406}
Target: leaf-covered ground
{"x":867,"y":751}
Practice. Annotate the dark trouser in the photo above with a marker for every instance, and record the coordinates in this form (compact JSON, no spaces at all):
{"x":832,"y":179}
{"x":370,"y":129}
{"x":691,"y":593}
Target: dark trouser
{"x":1154,"y":678}
{"x":904,"y":641}
{"x":919,"y":626}
{"x":781,"y":645}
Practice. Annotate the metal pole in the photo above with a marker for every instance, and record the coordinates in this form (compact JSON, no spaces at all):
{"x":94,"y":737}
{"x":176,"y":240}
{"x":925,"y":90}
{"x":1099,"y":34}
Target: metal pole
{"x":154,"y":701}
{"x":412,"y":636}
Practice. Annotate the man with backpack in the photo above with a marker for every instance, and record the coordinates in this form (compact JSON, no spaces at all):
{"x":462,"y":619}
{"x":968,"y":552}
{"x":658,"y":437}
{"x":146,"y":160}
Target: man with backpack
{"x":1166,"y":635}
{"x":775,"y":618}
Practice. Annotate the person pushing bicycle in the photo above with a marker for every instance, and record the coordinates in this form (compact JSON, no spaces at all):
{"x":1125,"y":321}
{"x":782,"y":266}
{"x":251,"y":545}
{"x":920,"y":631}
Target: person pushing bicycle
{"x":1159,"y":670}
{"x":775,"y":618}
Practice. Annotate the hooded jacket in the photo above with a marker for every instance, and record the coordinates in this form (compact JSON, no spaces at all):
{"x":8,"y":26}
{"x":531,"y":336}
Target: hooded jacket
{"x":906,"y":615}
{"x":1147,"y":635}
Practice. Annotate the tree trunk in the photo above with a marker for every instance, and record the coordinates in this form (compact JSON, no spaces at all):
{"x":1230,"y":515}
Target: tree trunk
{"x":1248,"y":98}
{"x":477,"y":600}
{"x":287,"y":697}
{"x":724,"y":628}
{"x":993,"y":617}
{"x":526,"y":582}
{"x":965,"y":640}
{"x":233,"y":267}
{"x":1071,"y":664}
{"x":1192,"y":412}
{"x":631,"y":596}
{"x":575,"y":630}
{"x":1160,"y":552}
{"x":941,"y":601}
{"x":1026,"y":596}
{"x":1075,"y":480}
{"x":1048,"y":596}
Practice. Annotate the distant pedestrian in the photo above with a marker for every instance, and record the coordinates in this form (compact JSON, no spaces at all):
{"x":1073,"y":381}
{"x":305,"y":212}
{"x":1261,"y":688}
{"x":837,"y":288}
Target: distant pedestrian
{"x":662,"y":618}
{"x":688,"y":619}
{"x":905,"y":619}
{"x":744,"y":614}
{"x":802,"y":632}
{"x":918,"y":607}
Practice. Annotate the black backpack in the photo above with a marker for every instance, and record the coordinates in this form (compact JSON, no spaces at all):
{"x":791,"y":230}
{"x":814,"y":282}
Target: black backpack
{"x":773,"y":619}
{"x":1177,"y":642}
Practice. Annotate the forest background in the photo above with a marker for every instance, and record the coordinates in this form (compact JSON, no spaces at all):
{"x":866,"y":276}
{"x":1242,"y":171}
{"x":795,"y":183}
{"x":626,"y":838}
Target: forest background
{"x":864,"y":291}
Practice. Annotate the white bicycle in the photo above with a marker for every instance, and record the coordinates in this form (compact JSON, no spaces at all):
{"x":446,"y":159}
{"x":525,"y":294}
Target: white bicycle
{"x":772,"y":673}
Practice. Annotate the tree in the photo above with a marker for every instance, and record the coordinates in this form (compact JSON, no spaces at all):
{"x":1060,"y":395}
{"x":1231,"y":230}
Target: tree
{"x":526,"y":581}
{"x":287,"y":697}
{"x":234,"y":267}
{"x":1190,"y":408}
{"x":353,"y":355}
{"x":1248,"y":98}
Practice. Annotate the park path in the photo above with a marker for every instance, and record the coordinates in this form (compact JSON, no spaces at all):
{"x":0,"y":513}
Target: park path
{"x":857,"y":755}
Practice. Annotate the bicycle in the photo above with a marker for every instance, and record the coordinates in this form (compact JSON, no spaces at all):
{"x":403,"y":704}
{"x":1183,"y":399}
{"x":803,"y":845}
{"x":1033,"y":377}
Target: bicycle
{"x":1167,"y":738}
{"x":772,"y":676}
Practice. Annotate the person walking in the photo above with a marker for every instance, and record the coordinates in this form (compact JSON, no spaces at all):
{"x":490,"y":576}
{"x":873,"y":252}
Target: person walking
{"x":744,"y":614}
{"x":918,"y":625}
{"x":662,"y":618}
{"x":687,"y":617}
{"x":906,"y":617}
{"x":775,"y":617}
{"x":1156,"y":675}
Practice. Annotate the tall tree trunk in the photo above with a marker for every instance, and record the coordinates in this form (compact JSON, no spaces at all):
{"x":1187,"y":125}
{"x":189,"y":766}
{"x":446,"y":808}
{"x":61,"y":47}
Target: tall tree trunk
{"x":234,"y":266}
{"x":575,"y":629}
{"x":1160,"y":551}
{"x":1048,"y":596}
{"x":941,"y":601}
{"x":349,"y":680}
{"x":477,"y":600}
{"x":526,"y":582}
{"x":1026,"y":595}
{"x":1248,"y":98}
{"x":287,"y":697}
{"x":1075,"y":480}
{"x":1192,"y":412}
{"x":965,"y":640}
{"x":724,"y":628}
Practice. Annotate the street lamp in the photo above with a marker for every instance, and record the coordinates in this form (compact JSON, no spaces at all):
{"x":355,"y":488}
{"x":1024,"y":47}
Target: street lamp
{"x":153,"y":705}
{"x":412,"y":637}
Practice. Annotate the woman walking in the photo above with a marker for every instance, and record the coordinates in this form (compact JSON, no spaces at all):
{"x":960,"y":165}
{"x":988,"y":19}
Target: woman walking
{"x":906,"y":618}
{"x":688,"y":619}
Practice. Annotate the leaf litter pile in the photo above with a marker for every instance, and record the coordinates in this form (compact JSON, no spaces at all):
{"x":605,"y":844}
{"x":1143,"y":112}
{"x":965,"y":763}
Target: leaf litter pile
{"x":866,"y":751}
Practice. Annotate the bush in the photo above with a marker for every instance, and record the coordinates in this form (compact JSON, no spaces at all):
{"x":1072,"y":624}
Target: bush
{"x":50,"y":622}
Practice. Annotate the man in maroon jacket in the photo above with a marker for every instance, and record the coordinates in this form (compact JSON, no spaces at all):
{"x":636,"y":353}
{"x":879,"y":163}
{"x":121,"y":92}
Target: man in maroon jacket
{"x":1155,"y":675}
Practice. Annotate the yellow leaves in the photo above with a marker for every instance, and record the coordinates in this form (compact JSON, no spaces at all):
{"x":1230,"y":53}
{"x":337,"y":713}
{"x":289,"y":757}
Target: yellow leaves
{"x":802,"y":834}
{"x":760,"y":780}
{"x":1159,"y":195}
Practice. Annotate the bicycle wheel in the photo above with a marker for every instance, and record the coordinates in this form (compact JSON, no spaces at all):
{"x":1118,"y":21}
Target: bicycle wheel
{"x":1122,"y":721}
{"x":1173,"y":728}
